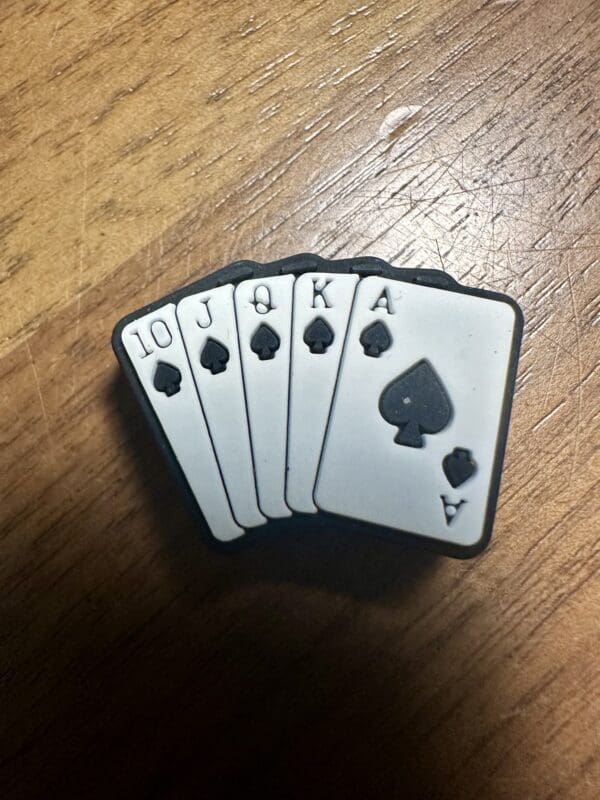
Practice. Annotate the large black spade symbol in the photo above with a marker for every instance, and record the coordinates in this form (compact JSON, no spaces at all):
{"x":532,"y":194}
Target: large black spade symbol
{"x":214,"y":356}
{"x":416,"y":402}
{"x":318,"y":336}
{"x":265,"y":343}
{"x":167,"y":379}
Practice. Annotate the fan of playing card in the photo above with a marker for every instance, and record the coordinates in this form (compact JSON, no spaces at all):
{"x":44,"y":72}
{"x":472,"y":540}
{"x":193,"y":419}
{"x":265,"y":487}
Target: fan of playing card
{"x":343,"y":389}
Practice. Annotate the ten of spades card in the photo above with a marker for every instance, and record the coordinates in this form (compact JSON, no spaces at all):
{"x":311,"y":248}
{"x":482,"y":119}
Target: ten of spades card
{"x":156,"y":351}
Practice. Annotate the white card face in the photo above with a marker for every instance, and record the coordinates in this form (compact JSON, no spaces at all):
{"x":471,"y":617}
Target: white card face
{"x":264,"y":319}
{"x":155,"y":348}
{"x":322,"y":303}
{"x":414,"y":424}
{"x":207,"y":323}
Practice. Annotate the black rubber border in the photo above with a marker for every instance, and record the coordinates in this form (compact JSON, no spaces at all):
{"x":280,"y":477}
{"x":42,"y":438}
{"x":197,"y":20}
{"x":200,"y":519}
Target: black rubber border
{"x":296,"y":265}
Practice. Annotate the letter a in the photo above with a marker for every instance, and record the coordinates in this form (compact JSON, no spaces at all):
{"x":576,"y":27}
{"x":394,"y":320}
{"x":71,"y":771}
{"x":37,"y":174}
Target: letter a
{"x":384,"y":301}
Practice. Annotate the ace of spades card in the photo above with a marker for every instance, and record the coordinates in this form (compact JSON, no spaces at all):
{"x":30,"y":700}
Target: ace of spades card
{"x":417,"y":425}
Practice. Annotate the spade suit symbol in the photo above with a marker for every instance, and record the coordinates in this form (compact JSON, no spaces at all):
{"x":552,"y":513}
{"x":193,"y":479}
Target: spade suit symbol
{"x":318,"y":335}
{"x":265,"y":342}
{"x":458,"y":466}
{"x":375,"y":339}
{"x":214,"y":356}
{"x":167,"y":379}
{"x":416,"y":402}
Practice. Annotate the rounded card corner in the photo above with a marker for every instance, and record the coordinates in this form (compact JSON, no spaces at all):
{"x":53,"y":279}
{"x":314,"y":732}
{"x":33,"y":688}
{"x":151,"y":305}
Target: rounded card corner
{"x":468,"y":551}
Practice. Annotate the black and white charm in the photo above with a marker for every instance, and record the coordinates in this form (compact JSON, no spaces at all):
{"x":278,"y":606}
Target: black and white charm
{"x":345,"y":388}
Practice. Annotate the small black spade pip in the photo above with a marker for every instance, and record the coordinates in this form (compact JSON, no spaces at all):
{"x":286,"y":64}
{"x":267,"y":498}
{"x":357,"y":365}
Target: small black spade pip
{"x":459,"y":466}
{"x":167,"y":379}
{"x":318,"y":336}
{"x":375,"y":339}
{"x":265,"y":342}
{"x":417,"y":403}
{"x":214,"y":356}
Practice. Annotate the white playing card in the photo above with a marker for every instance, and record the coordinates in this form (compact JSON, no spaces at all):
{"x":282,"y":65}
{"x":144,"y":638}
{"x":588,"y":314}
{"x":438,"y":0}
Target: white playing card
{"x":264,"y":318}
{"x":156,"y":351}
{"x":207,"y":323}
{"x":322,"y":303}
{"x":413,"y":432}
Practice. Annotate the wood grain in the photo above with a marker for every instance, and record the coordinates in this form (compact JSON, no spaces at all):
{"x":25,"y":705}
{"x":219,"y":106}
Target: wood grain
{"x":143,"y":144}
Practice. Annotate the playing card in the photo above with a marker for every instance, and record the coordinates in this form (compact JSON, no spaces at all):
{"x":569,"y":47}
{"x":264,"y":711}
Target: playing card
{"x":155,"y":348}
{"x":207,"y":323}
{"x":263,"y":309}
{"x":417,"y":427}
{"x":321,"y":310}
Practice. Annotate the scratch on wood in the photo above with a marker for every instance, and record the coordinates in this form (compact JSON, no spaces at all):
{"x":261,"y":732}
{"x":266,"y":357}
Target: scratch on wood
{"x":41,"y":399}
{"x":82,"y":234}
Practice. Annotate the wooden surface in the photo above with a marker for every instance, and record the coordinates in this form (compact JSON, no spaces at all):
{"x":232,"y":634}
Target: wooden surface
{"x":143,"y":144}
